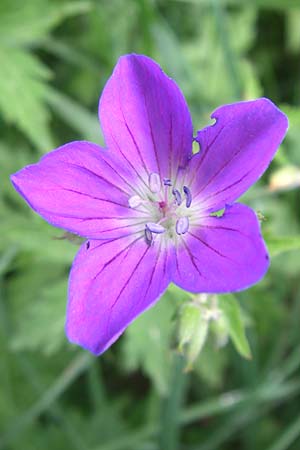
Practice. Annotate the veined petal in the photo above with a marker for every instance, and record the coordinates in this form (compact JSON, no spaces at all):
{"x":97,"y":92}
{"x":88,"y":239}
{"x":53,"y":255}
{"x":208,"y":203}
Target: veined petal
{"x":145,"y":118}
{"x":222,"y":254}
{"x":235,"y":151}
{"x":82,"y":188}
{"x":100,"y":306}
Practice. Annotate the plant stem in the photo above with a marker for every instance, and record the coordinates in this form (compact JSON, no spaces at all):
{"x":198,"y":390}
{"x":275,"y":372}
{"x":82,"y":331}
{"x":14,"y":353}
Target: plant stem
{"x":171,"y":407}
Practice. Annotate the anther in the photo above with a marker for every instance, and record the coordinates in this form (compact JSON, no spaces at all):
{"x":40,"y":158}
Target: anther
{"x":154,"y":182}
{"x":134,"y":201}
{"x":177,"y":196}
{"x":155,"y":228}
{"x":167,"y":182}
{"x":148,"y":236}
{"x":188,"y":196}
{"x":182,"y":225}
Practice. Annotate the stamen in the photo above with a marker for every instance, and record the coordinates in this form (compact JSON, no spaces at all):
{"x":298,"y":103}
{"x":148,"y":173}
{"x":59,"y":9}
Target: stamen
{"x":177,"y":196}
{"x":155,"y":228}
{"x":148,"y":236}
{"x":188,"y":196}
{"x":154,"y":182}
{"x":182,"y":225}
{"x":167,"y":182}
{"x":134,"y":201}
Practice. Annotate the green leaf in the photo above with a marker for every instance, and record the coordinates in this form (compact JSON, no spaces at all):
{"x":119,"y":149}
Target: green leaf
{"x":24,"y":22}
{"x":232,"y":312}
{"x":212,"y":364}
{"x":293,"y":30}
{"x":273,"y":4}
{"x":6,"y":258}
{"x":147,"y":343}
{"x":293,"y":113}
{"x":41,"y":326}
{"x":32,"y":234}
{"x":192,"y":332}
{"x":280,"y":244}
{"x":37,"y":306}
{"x":288,"y":436}
{"x":22,"y":94}
{"x":76,"y":116}
{"x":23,"y":77}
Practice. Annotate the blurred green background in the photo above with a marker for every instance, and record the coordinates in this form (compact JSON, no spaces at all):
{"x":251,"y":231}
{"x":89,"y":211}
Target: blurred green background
{"x":55,"y":57}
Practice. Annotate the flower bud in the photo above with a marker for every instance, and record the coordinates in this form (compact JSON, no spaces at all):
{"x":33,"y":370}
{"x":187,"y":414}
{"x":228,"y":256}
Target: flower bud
{"x":285,"y":178}
{"x":192,"y":332}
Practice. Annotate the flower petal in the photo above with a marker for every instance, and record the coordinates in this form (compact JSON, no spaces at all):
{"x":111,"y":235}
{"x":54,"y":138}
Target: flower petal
{"x":145,"y":118}
{"x":82,"y":188}
{"x":222,"y":254}
{"x":110,"y":284}
{"x":235,"y":151}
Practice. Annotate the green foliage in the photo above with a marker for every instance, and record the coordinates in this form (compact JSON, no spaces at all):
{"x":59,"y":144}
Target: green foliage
{"x":23,"y":77}
{"x":152,"y":331}
{"x":193,"y":331}
{"x":236,"y":328}
{"x":22,"y":94}
{"x":55,"y":57}
{"x":278,"y":244}
{"x":48,"y":308}
{"x":23,"y":23}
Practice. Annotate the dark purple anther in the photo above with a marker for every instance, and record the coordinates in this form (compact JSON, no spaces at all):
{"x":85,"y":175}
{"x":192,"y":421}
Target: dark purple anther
{"x":148,"y":236}
{"x":87,"y":245}
{"x":188,"y":196}
{"x":155,"y":228}
{"x":167,"y":182}
{"x":177,"y":196}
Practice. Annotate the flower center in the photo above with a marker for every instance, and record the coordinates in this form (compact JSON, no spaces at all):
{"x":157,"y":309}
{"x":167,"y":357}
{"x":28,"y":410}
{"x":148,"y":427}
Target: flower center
{"x":167,"y":208}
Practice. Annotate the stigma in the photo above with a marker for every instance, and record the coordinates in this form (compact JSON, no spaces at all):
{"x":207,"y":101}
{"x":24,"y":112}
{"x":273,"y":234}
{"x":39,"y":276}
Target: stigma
{"x":167,"y":207}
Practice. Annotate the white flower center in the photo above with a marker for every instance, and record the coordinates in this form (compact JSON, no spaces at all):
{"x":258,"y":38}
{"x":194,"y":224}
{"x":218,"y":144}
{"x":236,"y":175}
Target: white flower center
{"x":167,"y":208}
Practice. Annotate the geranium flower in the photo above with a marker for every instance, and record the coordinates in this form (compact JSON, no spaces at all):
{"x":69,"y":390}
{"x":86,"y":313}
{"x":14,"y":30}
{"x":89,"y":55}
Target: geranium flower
{"x":146,"y":204}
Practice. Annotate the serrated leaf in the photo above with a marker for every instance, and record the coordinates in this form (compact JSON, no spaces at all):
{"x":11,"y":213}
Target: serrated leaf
{"x":281,"y":244}
{"x":22,"y":94}
{"x":23,"y":77}
{"x":24,"y":22}
{"x":236,"y":328}
{"x":41,"y":324}
{"x":33,"y":235}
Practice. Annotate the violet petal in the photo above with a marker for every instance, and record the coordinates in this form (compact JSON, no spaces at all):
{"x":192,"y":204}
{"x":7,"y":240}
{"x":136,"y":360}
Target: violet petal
{"x":222,"y":254}
{"x":145,"y":119}
{"x":78,"y":188}
{"x":101,"y":307}
{"x":235,"y":151}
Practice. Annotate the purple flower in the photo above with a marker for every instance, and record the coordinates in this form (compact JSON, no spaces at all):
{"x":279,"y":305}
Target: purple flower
{"x":145,"y":205}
